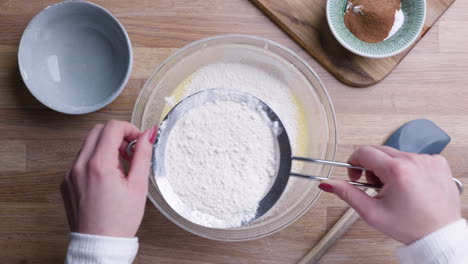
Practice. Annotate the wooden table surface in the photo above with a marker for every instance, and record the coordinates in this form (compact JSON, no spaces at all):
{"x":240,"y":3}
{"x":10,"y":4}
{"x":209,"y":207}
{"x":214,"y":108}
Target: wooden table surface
{"x":37,"y":144}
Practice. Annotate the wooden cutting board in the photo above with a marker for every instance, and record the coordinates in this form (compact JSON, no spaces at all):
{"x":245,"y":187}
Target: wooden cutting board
{"x":305,"y":21}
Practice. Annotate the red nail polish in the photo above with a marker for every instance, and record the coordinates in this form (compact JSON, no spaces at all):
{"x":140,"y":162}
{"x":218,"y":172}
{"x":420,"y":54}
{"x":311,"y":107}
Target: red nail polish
{"x":326,"y":187}
{"x":152,"y":134}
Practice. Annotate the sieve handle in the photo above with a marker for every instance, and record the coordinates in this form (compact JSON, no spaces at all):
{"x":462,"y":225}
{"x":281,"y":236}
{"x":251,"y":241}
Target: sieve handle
{"x":318,"y":178}
{"x":328,"y":162}
{"x":349,"y":166}
{"x":336,"y":164}
{"x":130,"y":147}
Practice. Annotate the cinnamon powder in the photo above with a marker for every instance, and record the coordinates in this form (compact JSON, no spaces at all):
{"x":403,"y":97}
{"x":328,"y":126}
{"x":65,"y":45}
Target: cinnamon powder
{"x":371,"y":20}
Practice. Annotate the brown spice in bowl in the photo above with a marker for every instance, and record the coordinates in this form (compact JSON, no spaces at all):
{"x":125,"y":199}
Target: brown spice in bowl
{"x":371,"y":20}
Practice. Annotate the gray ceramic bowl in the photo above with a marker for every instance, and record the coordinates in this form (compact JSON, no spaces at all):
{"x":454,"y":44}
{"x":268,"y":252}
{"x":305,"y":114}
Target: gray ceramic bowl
{"x":75,"y":57}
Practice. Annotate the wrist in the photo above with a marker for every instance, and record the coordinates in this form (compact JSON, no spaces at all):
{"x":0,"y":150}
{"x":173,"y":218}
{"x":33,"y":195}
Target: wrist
{"x":101,"y":249}
{"x":84,"y":239}
{"x":424,"y":228}
{"x":106,"y":231}
{"x":444,"y":243}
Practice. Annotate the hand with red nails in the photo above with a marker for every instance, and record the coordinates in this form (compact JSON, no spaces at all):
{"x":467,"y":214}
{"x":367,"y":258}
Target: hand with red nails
{"x":100,"y":197}
{"x":418,"y":195}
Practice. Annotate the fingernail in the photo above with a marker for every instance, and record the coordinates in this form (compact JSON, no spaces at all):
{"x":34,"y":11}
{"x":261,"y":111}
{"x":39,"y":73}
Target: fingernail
{"x":326,"y":187}
{"x":152,"y":134}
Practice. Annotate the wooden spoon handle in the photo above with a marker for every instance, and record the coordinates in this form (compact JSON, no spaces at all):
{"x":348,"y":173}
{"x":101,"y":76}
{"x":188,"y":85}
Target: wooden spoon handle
{"x":338,"y":230}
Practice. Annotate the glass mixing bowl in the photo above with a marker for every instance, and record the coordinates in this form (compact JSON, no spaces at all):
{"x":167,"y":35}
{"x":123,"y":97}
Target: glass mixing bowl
{"x":317,"y":125}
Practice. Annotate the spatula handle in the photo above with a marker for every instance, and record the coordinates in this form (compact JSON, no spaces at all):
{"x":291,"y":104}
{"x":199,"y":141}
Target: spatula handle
{"x":335,"y":233}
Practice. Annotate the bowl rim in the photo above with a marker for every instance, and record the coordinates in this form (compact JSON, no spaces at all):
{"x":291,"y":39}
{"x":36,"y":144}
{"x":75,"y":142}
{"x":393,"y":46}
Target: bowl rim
{"x":65,"y":108}
{"x":367,"y":55}
{"x":333,"y":121}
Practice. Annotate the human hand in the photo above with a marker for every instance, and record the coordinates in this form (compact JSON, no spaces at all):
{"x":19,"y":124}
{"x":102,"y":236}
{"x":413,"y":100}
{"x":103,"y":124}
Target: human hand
{"x":100,"y":199}
{"x":418,"y":196}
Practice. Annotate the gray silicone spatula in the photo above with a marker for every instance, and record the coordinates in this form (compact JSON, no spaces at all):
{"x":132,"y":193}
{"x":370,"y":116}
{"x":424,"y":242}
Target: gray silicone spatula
{"x":418,"y":136}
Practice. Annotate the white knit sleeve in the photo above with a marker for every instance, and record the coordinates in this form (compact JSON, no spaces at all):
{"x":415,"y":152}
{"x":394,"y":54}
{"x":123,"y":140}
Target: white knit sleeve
{"x":90,"y":249}
{"x":448,"y":245}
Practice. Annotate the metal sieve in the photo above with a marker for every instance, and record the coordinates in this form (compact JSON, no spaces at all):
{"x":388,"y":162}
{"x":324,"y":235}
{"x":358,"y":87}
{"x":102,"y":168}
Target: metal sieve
{"x":285,"y":158}
{"x":285,"y":154}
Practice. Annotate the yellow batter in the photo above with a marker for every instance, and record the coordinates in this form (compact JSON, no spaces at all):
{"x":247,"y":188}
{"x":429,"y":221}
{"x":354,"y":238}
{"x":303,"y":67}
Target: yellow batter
{"x":302,"y":133}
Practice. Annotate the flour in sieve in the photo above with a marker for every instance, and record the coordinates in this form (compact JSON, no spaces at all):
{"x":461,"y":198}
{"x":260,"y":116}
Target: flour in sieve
{"x":221,"y":158}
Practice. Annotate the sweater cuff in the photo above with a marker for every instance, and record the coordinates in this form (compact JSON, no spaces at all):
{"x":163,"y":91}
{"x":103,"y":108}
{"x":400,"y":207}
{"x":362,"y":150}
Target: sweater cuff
{"x":446,"y":245}
{"x":84,"y":248}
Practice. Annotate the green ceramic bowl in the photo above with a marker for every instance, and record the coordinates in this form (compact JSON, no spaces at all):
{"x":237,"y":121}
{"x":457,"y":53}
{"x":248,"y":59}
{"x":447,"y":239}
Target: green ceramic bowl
{"x":415,"y":14}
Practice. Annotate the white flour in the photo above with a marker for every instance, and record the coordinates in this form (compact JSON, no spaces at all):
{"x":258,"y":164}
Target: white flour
{"x":399,"y":20}
{"x":222,"y":157}
{"x":220,"y":160}
{"x":260,"y":82}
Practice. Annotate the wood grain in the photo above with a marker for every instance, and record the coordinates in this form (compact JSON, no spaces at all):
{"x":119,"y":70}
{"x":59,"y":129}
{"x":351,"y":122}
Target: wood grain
{"x":37,"y":144}
{"x":13,"y":153}
{"x":306,"y":22}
